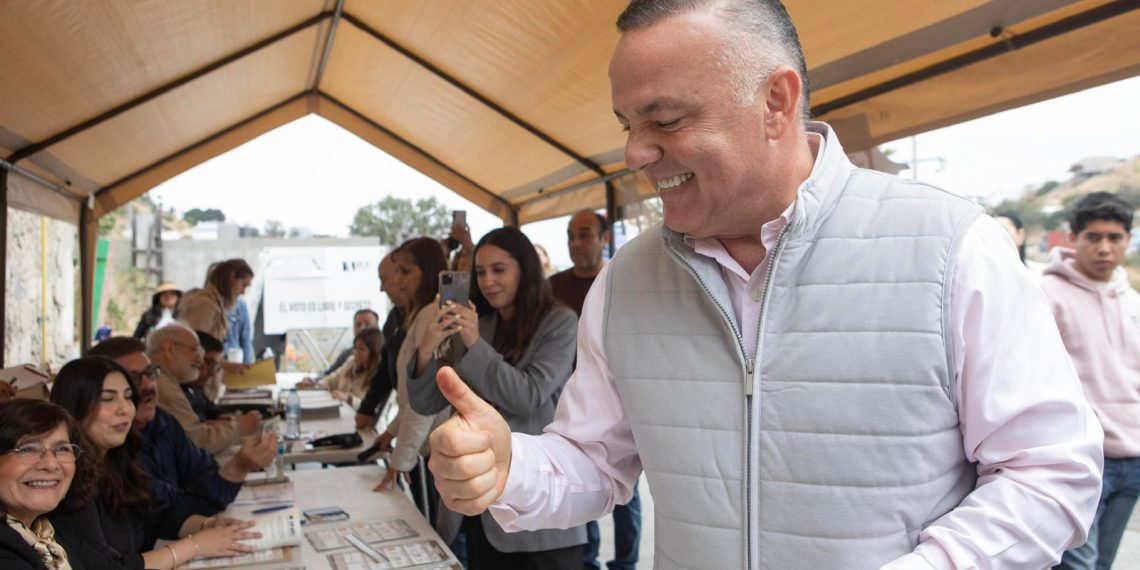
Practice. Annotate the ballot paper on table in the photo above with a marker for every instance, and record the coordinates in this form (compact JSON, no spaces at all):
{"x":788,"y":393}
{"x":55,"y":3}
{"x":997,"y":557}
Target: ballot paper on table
{"x":279,"y":528}
{"x":260,"y":373}
{"x":279,"y":531}
{"x":266,"y":495}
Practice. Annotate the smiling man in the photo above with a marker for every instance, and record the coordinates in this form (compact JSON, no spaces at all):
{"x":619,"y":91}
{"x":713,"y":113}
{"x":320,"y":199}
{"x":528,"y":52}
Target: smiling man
{"x":175,"y":349}
{"x":1098,"y":313}
{"x":815,"y":366}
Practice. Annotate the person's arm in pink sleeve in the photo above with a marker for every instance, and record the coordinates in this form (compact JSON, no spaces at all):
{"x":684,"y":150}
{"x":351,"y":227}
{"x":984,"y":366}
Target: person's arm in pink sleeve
{"x":1024,"y":420}
{"x":586,"y":461}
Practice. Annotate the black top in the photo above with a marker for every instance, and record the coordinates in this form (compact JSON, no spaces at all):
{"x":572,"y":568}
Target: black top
{"x":17,"y":554}
{"x":118,"y":541}
{"x":182,"y":473}
{"x":385,"y":379}
{"x":203,"y":407}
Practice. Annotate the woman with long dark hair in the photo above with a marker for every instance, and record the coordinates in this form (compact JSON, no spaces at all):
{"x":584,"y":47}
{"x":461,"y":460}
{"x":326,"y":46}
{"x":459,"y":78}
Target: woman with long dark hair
{"x":350,"y":381}
{"x":516,"y":354}
{"x":123,"y":519}
{"x":418,"y":264}
{"x":43,"y":470}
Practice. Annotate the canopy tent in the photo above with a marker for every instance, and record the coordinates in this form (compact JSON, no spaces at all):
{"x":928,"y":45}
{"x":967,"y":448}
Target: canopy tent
{"x":504,"y":102}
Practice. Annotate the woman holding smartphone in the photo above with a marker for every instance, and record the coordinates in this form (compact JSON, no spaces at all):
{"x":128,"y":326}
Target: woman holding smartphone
{"x":418,"y":265}
{"x":517,"y":356}
{"x":122,"y":522}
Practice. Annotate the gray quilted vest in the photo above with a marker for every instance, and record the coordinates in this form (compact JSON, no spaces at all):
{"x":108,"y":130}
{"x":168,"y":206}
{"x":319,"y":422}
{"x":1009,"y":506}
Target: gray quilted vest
{"x":844,"y":443}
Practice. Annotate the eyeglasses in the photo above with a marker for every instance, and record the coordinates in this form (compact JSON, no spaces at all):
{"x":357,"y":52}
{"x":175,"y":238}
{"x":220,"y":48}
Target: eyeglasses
{"x":36,"y":452}
{"x":153,"y":372}
{"x":213,"y":365}
{"x":196,"y":349}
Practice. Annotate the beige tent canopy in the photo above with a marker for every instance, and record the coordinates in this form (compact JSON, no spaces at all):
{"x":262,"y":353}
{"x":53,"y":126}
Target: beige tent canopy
{"x":506,"y":102}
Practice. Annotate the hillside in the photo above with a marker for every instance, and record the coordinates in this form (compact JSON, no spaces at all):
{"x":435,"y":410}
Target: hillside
{"x":1042,"y":210}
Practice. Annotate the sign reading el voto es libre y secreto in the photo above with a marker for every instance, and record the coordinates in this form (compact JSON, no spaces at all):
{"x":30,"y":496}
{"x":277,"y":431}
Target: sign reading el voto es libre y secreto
{"x":319,"y":287}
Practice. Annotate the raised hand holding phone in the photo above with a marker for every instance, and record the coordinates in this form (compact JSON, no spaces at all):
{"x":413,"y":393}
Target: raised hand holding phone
{"x":471,"y":452}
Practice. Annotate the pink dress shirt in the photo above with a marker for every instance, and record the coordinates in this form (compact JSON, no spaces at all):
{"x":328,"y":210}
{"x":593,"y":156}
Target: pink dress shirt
{"x":1024,"y":420}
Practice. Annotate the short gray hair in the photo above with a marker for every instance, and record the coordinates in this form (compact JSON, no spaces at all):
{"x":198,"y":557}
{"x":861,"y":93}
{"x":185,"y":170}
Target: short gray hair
{"x":158,"y":337}
{"x":761,"y":37}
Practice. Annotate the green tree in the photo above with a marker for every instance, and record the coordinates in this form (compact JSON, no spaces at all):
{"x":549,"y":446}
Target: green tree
{"x":394,"y":220}
{"x":196,"y":215}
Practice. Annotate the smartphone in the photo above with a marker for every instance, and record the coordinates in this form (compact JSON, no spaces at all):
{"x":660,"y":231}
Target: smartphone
{"x":459,"y":218}
{"x":454,"y":286}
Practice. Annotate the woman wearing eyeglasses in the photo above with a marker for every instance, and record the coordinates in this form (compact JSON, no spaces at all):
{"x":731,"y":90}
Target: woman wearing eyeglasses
{"x":123,"y":521}
{"x":41,"y":471}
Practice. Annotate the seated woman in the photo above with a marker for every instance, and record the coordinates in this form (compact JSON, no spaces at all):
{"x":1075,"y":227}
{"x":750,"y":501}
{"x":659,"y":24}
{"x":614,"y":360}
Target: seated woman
{"x":517,"y":355}
{"x":351,"y":381}
{"x":42,"y":470}
{"x":123,"y":522}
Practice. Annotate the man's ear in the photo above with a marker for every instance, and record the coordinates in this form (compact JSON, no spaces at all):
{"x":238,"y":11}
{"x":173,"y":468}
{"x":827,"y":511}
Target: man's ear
{"x":781,"y":95}
{"x":607,"y":236}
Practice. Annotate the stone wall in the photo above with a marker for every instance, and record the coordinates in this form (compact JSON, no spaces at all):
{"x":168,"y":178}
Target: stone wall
{"x":27,"y":317}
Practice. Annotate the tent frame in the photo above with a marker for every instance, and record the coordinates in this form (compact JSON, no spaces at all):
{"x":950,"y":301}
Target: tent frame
{"x":313,"y":100}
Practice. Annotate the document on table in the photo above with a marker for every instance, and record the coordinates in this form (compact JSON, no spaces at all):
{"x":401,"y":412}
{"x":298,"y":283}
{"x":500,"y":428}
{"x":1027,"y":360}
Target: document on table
{"x":260,"y":373}
{"x":271,"y":494}
{"x":371,"y":532}
{"x":281,"y":528}
{"x":281,"y":554}
{"x":397,"y":556}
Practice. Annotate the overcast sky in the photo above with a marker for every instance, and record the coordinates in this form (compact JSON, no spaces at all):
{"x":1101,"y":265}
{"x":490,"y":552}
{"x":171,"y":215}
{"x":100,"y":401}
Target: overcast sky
{"x":315,"y":175}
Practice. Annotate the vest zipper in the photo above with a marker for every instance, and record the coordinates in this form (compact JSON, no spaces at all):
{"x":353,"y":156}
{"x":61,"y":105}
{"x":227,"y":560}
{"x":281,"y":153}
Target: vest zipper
{"x":748,"y":436}
{"x":749,"y":377}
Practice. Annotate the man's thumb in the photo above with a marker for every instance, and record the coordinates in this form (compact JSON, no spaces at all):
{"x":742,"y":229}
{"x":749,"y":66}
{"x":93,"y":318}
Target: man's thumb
{"x":461,"y":397}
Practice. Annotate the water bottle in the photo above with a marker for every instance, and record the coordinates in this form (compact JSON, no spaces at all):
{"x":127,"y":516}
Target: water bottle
{"x":293,"y":415}
{"x":277,"y":467}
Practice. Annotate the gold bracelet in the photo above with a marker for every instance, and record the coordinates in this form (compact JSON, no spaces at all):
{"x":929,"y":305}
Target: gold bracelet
{"x":195,"y":541}
{"x":173,"y":555}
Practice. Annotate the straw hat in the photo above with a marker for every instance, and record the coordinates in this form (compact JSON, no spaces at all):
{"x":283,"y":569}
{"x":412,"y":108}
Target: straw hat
{"x":165,"y":287}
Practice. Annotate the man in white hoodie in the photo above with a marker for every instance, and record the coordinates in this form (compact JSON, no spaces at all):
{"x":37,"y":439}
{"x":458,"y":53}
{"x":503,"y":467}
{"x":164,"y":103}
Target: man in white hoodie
{"x":1098,"y":314}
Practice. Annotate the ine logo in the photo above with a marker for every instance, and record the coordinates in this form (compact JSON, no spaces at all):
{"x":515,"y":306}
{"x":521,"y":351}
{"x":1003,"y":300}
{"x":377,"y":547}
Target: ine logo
{"x":356,"y":265}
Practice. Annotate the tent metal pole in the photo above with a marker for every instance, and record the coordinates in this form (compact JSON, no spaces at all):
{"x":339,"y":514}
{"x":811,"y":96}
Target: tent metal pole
{"x":328,"y":47}
{"x":544,"y":195}
{"x":4,"y":263}
{"x":1005,"y":45}
{"x":8,"y":166}
{"x":87,"y":236}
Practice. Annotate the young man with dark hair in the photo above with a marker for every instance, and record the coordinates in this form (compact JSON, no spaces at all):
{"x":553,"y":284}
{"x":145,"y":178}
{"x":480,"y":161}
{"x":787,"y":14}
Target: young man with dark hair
{"x":181,"y":473}
{"x":1098,"y":313}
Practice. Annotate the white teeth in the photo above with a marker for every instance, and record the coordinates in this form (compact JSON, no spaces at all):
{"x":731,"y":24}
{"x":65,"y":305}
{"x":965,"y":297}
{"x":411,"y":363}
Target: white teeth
{"x":673,"y":181}
{"x":42,"y":484}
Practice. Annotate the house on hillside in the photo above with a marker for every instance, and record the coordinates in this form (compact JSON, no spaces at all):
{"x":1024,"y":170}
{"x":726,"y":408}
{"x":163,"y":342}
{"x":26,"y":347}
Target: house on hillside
{"x":1091,"y":166}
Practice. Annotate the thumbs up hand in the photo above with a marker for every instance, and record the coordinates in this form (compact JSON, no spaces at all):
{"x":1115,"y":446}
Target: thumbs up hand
{"x":471,"y":452}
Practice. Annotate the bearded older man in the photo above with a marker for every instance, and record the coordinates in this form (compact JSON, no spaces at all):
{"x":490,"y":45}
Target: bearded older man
{"x":175,"y":349}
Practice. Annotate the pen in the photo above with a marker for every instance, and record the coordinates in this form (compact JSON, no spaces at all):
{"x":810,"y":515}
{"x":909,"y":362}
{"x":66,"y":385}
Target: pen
{"x":270,"y":509}
{"x":367,"y":550}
